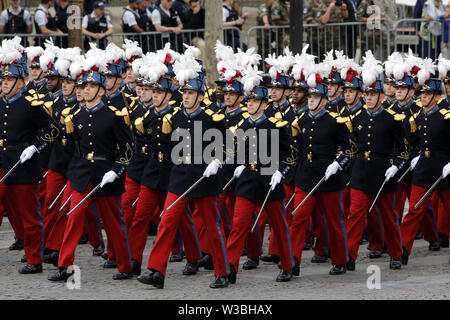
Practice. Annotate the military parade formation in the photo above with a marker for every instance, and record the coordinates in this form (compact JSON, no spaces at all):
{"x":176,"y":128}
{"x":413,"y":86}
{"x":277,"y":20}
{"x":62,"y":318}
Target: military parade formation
{"x":327,"y":152}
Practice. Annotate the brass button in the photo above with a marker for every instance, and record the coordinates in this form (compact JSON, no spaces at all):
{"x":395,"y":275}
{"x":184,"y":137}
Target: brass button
{"x":89,"y":125}
{"x":368,"y":143}
{"x":159,"y":144}
{"x":90,"y":143}
{"x":371,"y":119}
{"x":370,"y":127}
{"x":426,"y":119}
{"x":159,"y":118}
{"x":426,"y":141}
{"x":425,"y":134}
{"x":313,"y":122}
{"x":187,"y":137}
{"x":368,"y":134}
{"x":158,"y":127}
{"x":157,"y":135}
{"x":89,"y":134}
{"x":7,"y":107}
{"x":310,"y":138}
{"x":90,"y":116}
{"x":6,"y":114}
{"x":312,"y":129}
{"x":424,"y":126}
{"x":310,"y":145}
{"x":5,"y":123}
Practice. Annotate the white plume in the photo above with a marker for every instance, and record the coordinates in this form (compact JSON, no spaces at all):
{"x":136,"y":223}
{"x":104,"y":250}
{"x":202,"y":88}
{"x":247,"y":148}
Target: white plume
{"x":251,"y":79}
{"x":132,"y":50}
{"x":371,"y":69}
{"x":443,"y":66}
{"x":276,"y":67}
{"x":185,"y":69}
{"x":33,"y":53}
{"x":191,"y":52}
{"x":113,"y":53}
{"x":394,"y":60}
{"x":427,"y":70}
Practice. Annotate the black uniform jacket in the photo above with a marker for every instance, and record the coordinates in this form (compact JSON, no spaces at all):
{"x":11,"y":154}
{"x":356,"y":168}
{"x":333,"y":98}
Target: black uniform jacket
{"x":24,"y":122}
{"x":381,"y":142}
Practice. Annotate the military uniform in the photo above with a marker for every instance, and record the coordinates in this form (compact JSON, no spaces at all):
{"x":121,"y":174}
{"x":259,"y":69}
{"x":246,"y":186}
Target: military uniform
{"x":23,"y":119}
{"x":381,"y":142}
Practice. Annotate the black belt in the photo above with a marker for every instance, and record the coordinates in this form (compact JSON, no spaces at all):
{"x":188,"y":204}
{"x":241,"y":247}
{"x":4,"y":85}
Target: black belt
{"x":3,"y":144}
{"x":161,"y":157}
{"x":91,"y":157}
{"x":311,"y":156}
{"x":428,"y":154}
{"x":370,"y":155}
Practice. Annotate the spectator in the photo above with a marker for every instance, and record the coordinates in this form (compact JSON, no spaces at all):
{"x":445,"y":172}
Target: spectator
{"x":323,"y":12}
{"x":430,"y":32}
{"x":152,"y":5}
{"x":195,"y":20}
{"x":44,"y":22}
{"x":231,"y":18}
{"x":96,"y":27}
{"x":61,"y":21}
{"x":166,"y":19}
{"x":16,"y":20}
{"x":182,"y":8}
{"x":446,"y":29}
{"x":270,"y":13}
{"x":132,"y":21}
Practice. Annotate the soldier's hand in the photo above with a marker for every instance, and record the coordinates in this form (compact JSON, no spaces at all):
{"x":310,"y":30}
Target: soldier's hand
{"x":332,"y":169}
{"x":238,"y":171}
{"x":109,"y":177}
{"x":211,"y":169}
{"x":276,"y":179}
{"x":27,"y":153}
{"x":414,"y":162}
{"x":391,"y":172}
{"x":446,"y":171}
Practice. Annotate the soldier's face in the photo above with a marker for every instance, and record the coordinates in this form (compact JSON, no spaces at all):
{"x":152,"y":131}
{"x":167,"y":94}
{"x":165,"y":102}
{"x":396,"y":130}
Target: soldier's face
{"x":230,"y":98}
{"x":160,"y":98}
{"x":191,"y":99}
{"x":373,"y":99}
{"x":146,"y":94}
{"x":9,"y":86}
{"x":447,"y":88}
{"x":316,"y":103}
{"x":138,"y":91}
{"x":52,"y":82}
{"x":349,"y":95}
{"x":402,"y":94}
{"x":67,"y":87}
{"x":130,"y":75}
{"x":111,"y":82}
{"x":37,"y":73}
{"x":333,"y":89}
{"x":277,"y":93}
{"x":428,"y":99}
{"x":389,"y":89}
{"x":254,"y":104}
{"x":219,"y":91}
{"x":298,"y":95}
{"x":80,"y":94}
{"x":92,"y":91}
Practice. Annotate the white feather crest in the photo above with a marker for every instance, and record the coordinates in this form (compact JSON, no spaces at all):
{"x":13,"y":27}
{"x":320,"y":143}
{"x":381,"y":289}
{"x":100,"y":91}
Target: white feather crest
{"x":113,"y":53}
{"x":62,"y":66}
{"x":371,"y":69}
{"x":132,"y":50}
{"x":443,"y":66}
{"x":411,"y":61}
{"x":300,"y":61}
{"x":223,"y":52}
{"x":287,"y":59}
{"x":185,"y":69}
{"x":13,"y":44}
{"x":76,"y":66}
{"x":314,"y":71}
{"x":251,"y":79}
{"x":33,"y":53}
{"x":276,"y":67}
{"x":427,"y":70}
{"x":233,"y":70}
{"x":9,"y":53}
{"x":249,"y":57}
{"x":94,"y":63}
{"x":395,"y":59}
{"x":50,"y":47}
{"x":191,"y":52}
{"x":137,"y":65}
{"x":345,"y":64}
{"x":166,"y":52}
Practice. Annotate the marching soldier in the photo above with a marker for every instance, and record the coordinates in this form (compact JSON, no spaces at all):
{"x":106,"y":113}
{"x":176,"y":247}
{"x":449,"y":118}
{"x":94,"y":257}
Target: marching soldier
{"x":336,"y":100}
{"x":321,"y":136}
{"x":104,"y":152}
{"x":382,"y":151}
{"x":429,"y":133}
{"x":389,"y":92}
{"x":182,"y":177}
{"x":218,"y":96}
{"x":252,"y":179}
{"x":38,"y":82}
{"x":23,"y":120}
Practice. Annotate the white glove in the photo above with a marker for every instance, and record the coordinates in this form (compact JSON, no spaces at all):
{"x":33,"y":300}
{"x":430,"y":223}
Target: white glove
{"x":332,"y":169}
{"x":414,"y":162}
{"x":446,"y":170}
{"x":109,"y":177}
{"x":391,"y":172}
{"x":211,"y":169}
{"x":276,"y":179}
{"x":238,"y":171}
{"x":28,"y":153}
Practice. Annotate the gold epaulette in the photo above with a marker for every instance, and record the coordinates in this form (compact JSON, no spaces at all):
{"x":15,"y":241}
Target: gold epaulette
{"x":245,"y":115}
{"x":139,"y":122}
{"x":68,"y":121}
{"x":122,"y":113}
{"x":295,"y":128}
{"x":244,"y":109}
{"x":279,"y":123}
{"x":216,"y":117}
{"x":397,"y":116}
{"x":172,"y":102}
{"x":445,"y":113}
{"x":278,"y":115}
{"x":234,"y":128}
{"x":412,"y":124}
{"x":441,"y":99}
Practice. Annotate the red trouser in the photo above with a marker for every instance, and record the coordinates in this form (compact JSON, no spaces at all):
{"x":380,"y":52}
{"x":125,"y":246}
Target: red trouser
{"x":329,"y":203}
{"x":375,"y":230}
{"x":429,"y":227}
{"x":225,"y":203}
{"x":178,"y":216}
{"x":132,"y":189}
{"x":21,"y":204}
{"x":443,"y":214}
{"x":92,"y":227}
{"x":199,"y":226}
{"x":360,"y":204}
{"x":413,"y":220}
{"x":254,"y":241}
{"x":403,"y":192}
{"x":319,"y":229}
{"x":54,"y":184}
{"x":346,"y":203}
{"x":148,"y":209}
{"x":243,"y":222}
{"x":109,"y":209}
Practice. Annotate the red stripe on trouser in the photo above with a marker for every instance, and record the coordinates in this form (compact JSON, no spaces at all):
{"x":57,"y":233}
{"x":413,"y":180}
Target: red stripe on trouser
{"x":413,"y":220}
{"x":403,"y":192}
{"x":328,"y":202}
{"x":132,"y":189}
{"x":56,"y":235}
{"x":225,"y":204}
{"x":177,"y":217}
{"x":375,"y":230}
{"x":108,"y":209}
{"x":201,"y":230}
{"x":443,"y":215}
{"x":346,"y":203}
{"x":151,"y":203}
{"x":13,"y":217}
{"x":20,"y":203}
{"x":242,"y":224}
{"x":54,"y":183}
{"x":360,"y":204}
